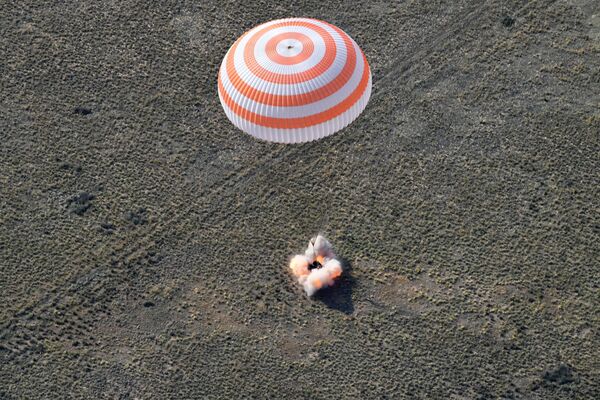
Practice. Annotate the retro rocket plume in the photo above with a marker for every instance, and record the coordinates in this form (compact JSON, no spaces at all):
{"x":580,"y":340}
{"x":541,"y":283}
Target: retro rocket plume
{"x":317,"y":268}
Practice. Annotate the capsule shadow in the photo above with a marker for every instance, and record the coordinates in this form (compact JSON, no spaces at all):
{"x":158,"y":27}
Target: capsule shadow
{"x":339,"y":296}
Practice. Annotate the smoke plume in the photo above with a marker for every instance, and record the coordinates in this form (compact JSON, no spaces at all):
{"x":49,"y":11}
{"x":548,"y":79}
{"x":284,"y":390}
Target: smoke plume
{"x":317,"y":268}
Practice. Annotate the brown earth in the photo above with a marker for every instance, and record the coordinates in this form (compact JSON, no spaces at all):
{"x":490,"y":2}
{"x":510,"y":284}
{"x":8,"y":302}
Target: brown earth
{"x":144,"y":240}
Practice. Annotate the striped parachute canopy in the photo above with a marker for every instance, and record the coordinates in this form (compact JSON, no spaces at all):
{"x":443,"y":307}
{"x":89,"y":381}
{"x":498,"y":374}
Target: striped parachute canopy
{"x":294,"y":80}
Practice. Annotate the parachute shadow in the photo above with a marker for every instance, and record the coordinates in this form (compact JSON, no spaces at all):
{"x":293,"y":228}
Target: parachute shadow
{"x":339,"y":296}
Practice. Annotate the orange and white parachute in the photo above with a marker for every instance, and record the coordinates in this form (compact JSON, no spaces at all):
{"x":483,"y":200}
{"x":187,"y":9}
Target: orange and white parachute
{"x":294,"y":80}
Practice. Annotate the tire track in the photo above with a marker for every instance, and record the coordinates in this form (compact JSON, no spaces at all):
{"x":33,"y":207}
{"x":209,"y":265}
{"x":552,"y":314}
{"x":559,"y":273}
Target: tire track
{"x":239,"y":177}
{"x":96,"y":279}
{"x":458,"y":24}
{"x":402,"y":68}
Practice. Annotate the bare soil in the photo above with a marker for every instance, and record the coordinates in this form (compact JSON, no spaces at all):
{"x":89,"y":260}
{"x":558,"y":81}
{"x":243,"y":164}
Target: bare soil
{"x":144,"y":239}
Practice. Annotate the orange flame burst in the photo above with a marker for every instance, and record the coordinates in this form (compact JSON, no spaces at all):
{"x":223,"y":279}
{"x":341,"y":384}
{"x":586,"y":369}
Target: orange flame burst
{"x":320,"y":250}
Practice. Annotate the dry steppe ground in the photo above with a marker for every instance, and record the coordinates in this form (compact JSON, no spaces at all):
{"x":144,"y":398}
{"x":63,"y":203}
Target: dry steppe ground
{"x":144,"y":240}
